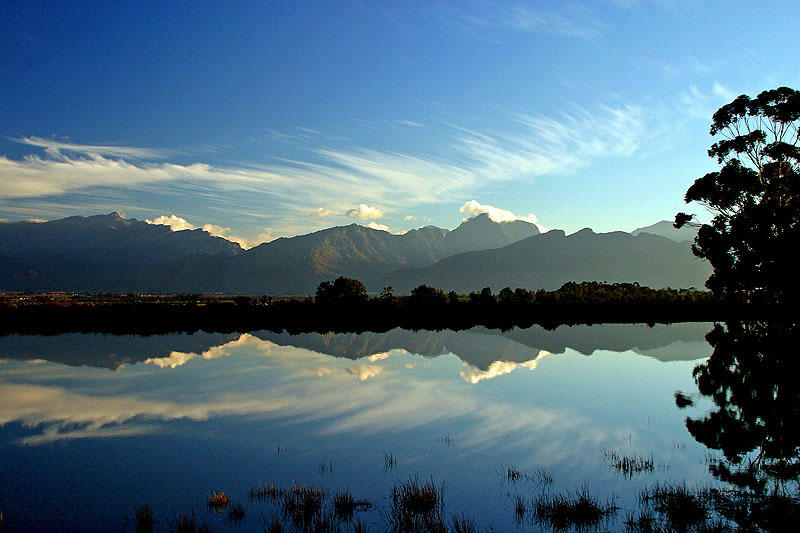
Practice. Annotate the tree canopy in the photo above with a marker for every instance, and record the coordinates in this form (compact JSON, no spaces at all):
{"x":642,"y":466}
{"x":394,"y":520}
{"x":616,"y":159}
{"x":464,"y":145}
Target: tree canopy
{"x":342,"y":290}
{"x":755,"y":199}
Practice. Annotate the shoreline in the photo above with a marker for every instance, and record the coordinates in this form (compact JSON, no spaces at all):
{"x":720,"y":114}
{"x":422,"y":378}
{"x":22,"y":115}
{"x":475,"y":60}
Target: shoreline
{"x":300,"y":316}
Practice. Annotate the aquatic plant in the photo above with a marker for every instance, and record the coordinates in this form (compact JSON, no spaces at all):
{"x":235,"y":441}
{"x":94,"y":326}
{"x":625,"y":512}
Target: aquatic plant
{"x":629,"y":466}
{"x":389,"y":462}
{"x":680,"y":507}
{"x":302,"y":504}
{"x":218,"y":501}
{"x":417,"y":506}
{"x":272,"y":526}
{"x":188,"y":524}
{"x":462,"y":524}
{"x":345,"y":505}
{"x":145,"y":519}
{"x":564,"y":511}
{"x":520,"y":508}
{"x":264,"y":491}
{"x":236,"y":512}
{"x":512,"y":474}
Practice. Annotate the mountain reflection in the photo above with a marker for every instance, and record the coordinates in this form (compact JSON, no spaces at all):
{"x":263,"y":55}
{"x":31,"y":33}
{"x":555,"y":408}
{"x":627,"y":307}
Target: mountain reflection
{"x":486,"y":350}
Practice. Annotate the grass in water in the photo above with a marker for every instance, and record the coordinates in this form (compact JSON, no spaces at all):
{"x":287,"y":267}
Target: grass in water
{"x":462,"y":524}
{"x":417,"y":506}
{"x":629,"y":466}
{"x":218,"y":501}
{"x":236,"y":512}
{"x":302,"y":504}
{"x":565,"y":511}
{"x":389,"y":462}
{"x":145,"y":520}
{"x":345,"y":505}
{"x":264,"y":491}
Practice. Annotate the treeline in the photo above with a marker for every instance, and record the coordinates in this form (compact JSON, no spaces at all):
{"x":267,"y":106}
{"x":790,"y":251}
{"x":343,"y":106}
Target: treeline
{"x":344,"y":305}
{"x":345,"y":290}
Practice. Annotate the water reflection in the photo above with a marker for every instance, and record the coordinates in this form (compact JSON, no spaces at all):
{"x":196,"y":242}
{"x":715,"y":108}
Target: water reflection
{"x":752,"y":379}
{"x":190,"y":413}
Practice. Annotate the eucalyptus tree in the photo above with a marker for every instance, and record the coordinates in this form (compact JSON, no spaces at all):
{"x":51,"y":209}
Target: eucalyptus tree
{"x":754,"y":235}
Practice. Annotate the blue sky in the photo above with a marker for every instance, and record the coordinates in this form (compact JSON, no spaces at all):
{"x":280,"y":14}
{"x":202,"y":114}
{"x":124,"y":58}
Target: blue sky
{"x":266,"y":119}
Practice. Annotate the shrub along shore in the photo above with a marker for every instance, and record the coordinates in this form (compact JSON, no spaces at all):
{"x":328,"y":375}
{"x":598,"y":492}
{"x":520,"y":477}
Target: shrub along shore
{"x":351,"y":309}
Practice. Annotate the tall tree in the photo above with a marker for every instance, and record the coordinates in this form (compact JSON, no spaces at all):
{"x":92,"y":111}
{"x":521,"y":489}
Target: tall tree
{"x":755,"y":199}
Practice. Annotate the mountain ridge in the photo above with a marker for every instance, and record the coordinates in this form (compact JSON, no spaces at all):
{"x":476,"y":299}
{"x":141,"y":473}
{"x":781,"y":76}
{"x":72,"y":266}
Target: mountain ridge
{"x":108,"y":253}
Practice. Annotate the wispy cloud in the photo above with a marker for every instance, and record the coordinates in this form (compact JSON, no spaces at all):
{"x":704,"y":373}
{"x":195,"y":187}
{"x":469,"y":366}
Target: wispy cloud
{"x":528,"y":147}
{"x":544,"y":19}
{"x":58,"y":149}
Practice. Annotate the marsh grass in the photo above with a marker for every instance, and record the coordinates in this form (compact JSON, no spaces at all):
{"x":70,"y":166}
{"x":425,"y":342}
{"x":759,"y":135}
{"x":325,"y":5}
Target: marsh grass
{"x":236,"y":512}
{"x":520,"y":508}
{"x":389,"y":462}
{"x":272,"y":525}
{"x":680,"y":506}
{"x":629,"y":466}
{"x":218,"y":501}
{"x":302,"y":504}
{"x":577,"y":511}
{"x":540,"y":476}
{"x":512,"y":474}
{"x":264,"y":491}
{"x":417,"y":506}
{"x":462,"y":524}
{"x":188,"y":524}
{"x":145,"y":519}
{"x":345,"y":505}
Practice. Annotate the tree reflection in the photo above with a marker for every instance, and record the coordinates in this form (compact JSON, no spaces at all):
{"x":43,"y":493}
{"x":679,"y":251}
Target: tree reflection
{"x":752,"y":378}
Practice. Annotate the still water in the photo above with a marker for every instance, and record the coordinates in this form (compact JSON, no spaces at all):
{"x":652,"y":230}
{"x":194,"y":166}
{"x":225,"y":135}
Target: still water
{"x":93,"y":425}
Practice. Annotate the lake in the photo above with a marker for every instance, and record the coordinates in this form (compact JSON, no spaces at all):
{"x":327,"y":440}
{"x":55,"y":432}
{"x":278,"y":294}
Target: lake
{"x":93,"y":426}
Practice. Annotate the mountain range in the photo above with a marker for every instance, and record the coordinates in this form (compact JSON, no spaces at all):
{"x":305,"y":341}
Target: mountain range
{"x":115,"y":254}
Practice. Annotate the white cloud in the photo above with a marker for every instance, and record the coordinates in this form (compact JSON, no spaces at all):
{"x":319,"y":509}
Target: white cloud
{"x":365,"y":212}
{"x":382,"y":227}
{"x":723,"y":92}
{"x":177,"y":223}
{"x":409,"y":217}
{"x":321,"y":212}
{"x":473,"y":208}
{"x":475,"y":375}
{"x":57,"y":149}
{"x":364,"y":371}
{"x":529,"y":147}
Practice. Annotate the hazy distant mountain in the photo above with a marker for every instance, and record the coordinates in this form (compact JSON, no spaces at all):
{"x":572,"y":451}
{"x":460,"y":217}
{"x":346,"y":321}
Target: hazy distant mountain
{"x":110,"y":253}
{"x":551,"y":259}
{"x":297,"y":265}
{"x":98,"y":253}
{"x":482,"y":233}
{"x":666,"y":229}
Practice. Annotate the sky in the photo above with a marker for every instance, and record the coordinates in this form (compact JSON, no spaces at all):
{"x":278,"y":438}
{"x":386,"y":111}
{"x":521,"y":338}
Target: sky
{"x":257,"y":120}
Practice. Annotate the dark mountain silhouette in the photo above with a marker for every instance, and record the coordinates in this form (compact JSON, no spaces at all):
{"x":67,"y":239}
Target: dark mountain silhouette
{"x":98,"y":253}
{"x":483,"y":233}
{"x":108,"y":253}
{"x":665,"y":228}
{"x":549,"y":260}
